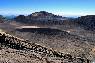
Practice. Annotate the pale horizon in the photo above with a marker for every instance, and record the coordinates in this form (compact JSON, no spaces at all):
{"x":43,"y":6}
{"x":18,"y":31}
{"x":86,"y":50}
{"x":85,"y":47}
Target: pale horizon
{"x":58,"y":7}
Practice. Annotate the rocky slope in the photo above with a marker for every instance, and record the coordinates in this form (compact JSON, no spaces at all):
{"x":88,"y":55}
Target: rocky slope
{"x":20,"y":48}
{"x":87,"y":22}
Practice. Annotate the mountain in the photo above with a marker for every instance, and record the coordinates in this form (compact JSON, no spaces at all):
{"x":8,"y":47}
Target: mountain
{"x":2,"y":19}
{"x":41,"y":16}
{"x":10,"y":17}
{"x":87,"y":22}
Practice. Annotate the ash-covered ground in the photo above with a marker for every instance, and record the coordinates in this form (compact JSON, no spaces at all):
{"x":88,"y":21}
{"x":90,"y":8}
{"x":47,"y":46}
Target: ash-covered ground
{"x":68,"y":39}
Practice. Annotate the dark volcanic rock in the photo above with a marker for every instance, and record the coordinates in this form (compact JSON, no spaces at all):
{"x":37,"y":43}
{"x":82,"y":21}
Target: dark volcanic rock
{"x":36,"y":49}
{"x":88,"y":22}
{"x":41,"y":17}
{"x":20,"y":18}
{"x":47,"y":31}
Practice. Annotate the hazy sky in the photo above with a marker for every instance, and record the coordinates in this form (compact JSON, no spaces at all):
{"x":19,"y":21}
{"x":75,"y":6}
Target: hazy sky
{"x":61,"y":7}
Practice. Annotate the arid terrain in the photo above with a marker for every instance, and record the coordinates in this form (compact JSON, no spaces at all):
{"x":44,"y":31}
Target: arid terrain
{"x":76,"y":43}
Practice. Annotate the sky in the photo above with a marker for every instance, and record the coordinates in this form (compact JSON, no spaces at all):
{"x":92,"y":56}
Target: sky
{"x":59,"y":7}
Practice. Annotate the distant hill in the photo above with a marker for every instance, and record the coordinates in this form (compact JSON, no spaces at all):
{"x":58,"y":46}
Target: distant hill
{"x":39,"y":17}
{"x":43,"y":17}
{"x":10,"y":17}
{"x":87,"y":22}
{"x":2,"y":19}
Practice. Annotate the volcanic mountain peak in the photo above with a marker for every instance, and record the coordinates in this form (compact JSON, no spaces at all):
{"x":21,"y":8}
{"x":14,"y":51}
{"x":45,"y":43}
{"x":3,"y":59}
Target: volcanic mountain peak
{"x":43,"y":14}
{"x":39,"y":16}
